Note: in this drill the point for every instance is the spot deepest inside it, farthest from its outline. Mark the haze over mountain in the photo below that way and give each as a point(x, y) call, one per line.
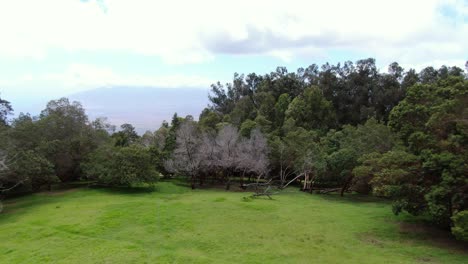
point(143, 107)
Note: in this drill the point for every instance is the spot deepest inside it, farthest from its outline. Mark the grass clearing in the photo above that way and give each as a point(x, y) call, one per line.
point(174, 224)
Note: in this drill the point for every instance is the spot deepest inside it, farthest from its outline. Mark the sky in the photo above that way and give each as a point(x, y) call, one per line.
point(54, 48)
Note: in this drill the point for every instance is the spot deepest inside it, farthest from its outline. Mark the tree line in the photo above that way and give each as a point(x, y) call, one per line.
point(346, 127)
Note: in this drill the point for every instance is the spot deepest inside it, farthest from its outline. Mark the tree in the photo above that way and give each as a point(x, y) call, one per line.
point(120, 166)
point(186, 158)
point(252, 154)
point(397, 175)
point(281, 107)
point(311, 110)
point(32, 170)
point(226, 151)
point(247, 127)
point(432, 122)
point(460, 225)
point(65, 135)
point(5, 110)
point(344, 149)
point(126, 136)
point(209, 119)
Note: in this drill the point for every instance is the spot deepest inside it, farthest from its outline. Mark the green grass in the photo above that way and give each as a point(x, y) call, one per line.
point(176, 225)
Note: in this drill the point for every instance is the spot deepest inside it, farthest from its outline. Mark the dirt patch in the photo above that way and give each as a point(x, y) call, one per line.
point(433, 235)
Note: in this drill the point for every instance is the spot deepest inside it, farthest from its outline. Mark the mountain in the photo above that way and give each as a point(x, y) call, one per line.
point(143, 107)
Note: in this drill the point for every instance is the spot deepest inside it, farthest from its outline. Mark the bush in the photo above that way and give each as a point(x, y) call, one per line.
point(460, 225)
point(121, 166)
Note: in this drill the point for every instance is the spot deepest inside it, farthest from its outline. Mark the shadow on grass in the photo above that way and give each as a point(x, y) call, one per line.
point(353, 198)
point(415, 230)
point(16, 203)
point(14, 208)
point(425, 232)
point(124, 189)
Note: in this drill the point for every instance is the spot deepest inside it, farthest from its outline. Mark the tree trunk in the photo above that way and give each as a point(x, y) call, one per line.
point(242, 178)
point(306, 179)
point(346, 185)
point(193, 182)
point(310, 183)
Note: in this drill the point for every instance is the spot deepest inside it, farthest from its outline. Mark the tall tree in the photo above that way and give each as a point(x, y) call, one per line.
point(5, 110)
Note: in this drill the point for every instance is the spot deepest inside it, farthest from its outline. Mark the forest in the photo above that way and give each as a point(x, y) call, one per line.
point(400, 135)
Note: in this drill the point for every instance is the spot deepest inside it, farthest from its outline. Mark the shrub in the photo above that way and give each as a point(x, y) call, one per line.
point(121, 166)
point(460, 225)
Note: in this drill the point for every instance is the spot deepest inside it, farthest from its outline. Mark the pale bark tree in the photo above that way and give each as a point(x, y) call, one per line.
point(252, 154)
point(226, 151)
point(186, 158)
point(208, 154)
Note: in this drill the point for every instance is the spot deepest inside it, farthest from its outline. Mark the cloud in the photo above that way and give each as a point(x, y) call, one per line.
point(80, 77)
point(182, 32)
point(91, 76)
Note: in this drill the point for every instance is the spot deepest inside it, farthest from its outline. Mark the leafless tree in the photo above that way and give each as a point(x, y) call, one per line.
point(223, 154)
point(252, 154)
point(226, 151)
point(186, 158)
point(208, 152)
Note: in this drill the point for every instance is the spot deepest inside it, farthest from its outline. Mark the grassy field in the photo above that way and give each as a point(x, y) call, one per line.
point(176, 225)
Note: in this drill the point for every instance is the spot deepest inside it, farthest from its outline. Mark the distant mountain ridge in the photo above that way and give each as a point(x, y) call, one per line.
point(143, 107)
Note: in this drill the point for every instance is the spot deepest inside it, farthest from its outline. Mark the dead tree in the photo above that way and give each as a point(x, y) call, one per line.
point(262, 188)
point(252, 154)
point(208, 154)
point(226, 151)
point(186, 158)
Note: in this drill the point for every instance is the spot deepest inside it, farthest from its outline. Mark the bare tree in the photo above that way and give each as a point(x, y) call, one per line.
point(226, 151)
point(208, 155)
point(253, 154)
point(186, 158)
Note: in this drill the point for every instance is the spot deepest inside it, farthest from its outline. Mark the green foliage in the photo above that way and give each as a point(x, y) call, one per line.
point(126, 136)
point(281, 107)
point(264, 124)
point(64, 136)
point(311, 110)
point(208, 119)
point(431, 120)
point(397, 175)
point(266, 105)
point(33, 170)
point(247, 127)
point(460, 225)
point(346, 147)
point(121, 166)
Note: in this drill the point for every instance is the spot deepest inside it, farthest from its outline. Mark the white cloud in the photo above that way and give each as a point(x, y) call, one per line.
point(195, 31)
point(90, 76)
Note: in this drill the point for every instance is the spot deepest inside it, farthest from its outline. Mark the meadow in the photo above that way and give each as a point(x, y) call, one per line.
point(173, 224)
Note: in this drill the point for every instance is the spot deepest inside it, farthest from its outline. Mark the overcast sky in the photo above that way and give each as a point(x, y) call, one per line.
point(51, 48)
